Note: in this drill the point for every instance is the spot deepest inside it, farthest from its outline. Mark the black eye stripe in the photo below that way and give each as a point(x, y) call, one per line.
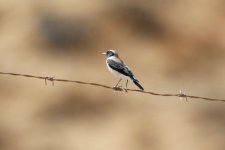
point(109, 53)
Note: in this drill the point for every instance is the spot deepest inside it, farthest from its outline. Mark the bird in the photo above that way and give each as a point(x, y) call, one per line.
point(117, 67)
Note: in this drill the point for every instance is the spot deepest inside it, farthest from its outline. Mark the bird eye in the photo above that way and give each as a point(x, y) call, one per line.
point(109, 53)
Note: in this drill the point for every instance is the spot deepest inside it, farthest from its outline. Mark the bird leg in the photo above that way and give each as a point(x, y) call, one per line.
point(126, 86)
point(116, 86)
point(118, 83)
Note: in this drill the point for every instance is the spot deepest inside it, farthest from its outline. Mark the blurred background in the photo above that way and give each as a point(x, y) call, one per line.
point(170, 45)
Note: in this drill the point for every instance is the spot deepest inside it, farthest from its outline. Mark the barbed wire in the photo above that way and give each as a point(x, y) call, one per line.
point(52, 79)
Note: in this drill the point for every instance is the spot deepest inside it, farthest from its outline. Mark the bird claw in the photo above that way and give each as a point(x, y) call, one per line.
point(117, 88)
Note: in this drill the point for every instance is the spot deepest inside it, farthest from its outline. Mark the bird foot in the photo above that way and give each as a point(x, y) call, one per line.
point(117, 88)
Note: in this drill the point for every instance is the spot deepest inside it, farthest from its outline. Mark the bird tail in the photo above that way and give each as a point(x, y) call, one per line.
point(136, 82)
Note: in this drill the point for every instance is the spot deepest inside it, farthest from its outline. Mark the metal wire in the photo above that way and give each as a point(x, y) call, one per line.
point(53, 79)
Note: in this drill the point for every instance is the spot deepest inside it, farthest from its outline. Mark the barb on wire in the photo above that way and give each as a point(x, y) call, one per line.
point(183, 95)
point(52, 79)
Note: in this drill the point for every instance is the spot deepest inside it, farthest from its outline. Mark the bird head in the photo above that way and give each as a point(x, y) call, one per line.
point(110, 53)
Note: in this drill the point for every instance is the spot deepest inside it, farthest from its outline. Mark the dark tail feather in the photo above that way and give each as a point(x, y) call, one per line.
point(137, 83)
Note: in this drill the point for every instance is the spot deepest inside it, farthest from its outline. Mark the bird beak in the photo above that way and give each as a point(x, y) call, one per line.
point(104, 53)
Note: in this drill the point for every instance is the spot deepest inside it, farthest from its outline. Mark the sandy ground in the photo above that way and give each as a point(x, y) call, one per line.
point(170, 45)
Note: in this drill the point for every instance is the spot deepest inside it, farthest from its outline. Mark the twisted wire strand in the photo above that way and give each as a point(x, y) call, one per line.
point(53, 79)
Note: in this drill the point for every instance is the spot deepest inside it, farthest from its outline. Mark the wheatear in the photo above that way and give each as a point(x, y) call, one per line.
point(120, 69)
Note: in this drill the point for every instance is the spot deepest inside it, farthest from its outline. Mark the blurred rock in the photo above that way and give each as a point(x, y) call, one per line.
point(140, 19)
point(62, 34)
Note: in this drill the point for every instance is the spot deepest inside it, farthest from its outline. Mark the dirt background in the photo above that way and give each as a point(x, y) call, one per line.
point(170, 45)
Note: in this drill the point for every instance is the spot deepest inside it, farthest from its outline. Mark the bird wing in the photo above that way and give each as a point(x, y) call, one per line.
point(121, 68)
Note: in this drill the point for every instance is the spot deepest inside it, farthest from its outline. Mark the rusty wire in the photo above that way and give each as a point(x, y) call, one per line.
point(52, 79)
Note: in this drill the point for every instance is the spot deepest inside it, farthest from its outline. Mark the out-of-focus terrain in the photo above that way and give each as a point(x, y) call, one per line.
point(170, 45)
